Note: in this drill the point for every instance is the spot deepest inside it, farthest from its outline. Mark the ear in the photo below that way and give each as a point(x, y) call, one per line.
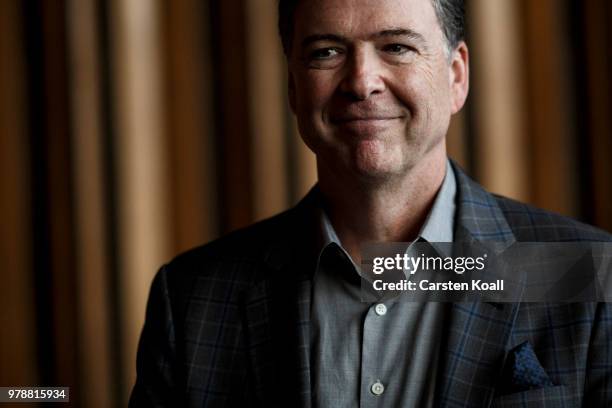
point(291, 90)
point(459, 76)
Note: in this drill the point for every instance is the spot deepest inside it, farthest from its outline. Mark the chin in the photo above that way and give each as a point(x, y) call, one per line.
point(373, 159)
point(377, 170)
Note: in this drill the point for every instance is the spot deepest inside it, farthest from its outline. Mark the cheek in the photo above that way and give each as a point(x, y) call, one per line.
point(311, 96)
point(422, 85)
point(408, 84)
point(312, 99)
point(314, 91)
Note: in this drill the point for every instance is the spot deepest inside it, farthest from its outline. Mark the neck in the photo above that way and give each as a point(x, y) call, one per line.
point(388, 211)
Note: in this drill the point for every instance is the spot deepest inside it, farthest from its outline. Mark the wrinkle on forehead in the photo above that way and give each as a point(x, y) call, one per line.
point(360, 19)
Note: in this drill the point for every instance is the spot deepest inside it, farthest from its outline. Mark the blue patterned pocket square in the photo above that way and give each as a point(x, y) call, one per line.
point(523, 371)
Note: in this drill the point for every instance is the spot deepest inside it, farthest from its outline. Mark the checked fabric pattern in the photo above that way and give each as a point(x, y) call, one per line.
point(228, 323)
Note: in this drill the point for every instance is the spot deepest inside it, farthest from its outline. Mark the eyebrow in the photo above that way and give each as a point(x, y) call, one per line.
point(392, 32)
point(323, 37)
point(405, 32)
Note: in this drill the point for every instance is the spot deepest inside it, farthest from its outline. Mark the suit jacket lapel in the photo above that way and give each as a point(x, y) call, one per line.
point(302, 329)
point(278, 314)
point(473, 354)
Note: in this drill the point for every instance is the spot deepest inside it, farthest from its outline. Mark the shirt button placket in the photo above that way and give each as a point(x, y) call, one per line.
point(372, 387)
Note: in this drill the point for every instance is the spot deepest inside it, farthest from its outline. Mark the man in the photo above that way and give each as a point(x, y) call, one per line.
point(270, 315)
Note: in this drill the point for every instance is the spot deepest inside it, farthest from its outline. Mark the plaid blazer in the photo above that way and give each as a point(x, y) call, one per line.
point(227, 324)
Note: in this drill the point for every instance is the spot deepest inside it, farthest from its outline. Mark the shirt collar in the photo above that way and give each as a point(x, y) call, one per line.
point(440, 222)
point(438, 226)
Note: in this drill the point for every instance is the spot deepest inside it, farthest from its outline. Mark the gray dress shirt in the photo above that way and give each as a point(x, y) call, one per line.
point(382, 354)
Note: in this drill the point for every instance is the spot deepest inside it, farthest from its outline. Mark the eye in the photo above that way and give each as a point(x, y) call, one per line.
point(324, 53)
point(397, 49)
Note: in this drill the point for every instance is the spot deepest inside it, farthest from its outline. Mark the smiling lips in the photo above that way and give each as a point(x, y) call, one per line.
point(364, 116)
point(365, 124)
point(363, 119)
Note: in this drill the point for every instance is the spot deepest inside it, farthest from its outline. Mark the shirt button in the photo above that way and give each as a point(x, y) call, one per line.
point(377, 388)
point(380, 309)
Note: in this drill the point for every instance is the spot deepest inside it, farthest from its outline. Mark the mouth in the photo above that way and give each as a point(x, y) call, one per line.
point(365, 125)
point(364, 119)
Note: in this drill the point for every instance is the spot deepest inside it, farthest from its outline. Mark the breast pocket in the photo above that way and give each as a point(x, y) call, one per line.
point(557, 396)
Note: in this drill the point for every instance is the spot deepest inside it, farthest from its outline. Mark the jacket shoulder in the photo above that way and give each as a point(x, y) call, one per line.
point(529, 223)
point(233, 254)
point(220, 272)
point(245, 243)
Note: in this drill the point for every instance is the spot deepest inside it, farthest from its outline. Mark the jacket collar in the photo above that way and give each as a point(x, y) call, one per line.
point(479, 217)
point(278, 310)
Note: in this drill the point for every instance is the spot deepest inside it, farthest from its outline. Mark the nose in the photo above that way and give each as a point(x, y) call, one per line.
point(363, 76)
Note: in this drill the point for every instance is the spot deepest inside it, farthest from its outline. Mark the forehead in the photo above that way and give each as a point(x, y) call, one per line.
point(356, 18)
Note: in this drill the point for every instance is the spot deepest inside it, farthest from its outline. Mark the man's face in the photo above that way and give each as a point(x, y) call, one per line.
point(373, 84)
